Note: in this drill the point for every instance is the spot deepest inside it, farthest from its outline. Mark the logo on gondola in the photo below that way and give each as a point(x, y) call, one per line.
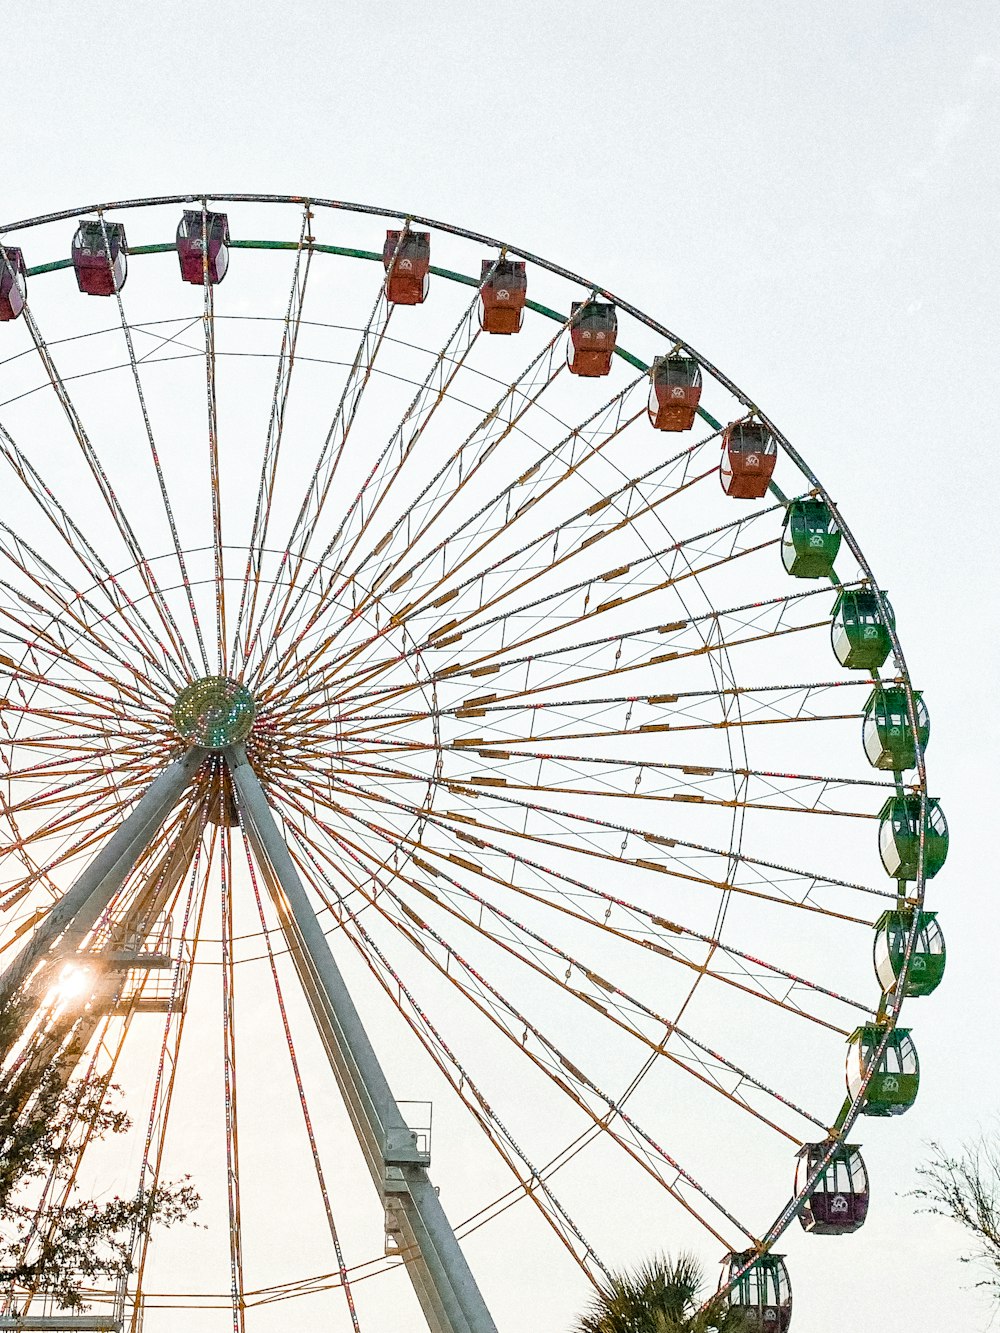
point(753, 460)
point(770, 1316)
point(677, 392)
point(406, 263)
point(890, 1083)
point(918, 964)
point(586, 334)
point(871, 632)
point(838, 1204)
point(503, 294)
point(816, 539)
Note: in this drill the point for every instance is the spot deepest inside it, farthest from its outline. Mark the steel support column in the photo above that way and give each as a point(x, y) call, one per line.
point(442, 1279)
point(80, 907)
point(63, 1323)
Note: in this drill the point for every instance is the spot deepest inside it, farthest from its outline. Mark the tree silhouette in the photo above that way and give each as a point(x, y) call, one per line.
point(51, 1239)
point(966, 1189)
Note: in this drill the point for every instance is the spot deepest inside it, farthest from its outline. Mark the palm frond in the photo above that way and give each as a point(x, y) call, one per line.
point(663, 1295)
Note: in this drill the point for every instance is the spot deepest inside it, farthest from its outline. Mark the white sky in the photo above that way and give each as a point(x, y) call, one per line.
point(807, 193)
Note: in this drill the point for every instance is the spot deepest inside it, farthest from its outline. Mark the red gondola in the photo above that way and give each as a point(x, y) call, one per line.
point(100, 268)
point(13, 282)
point(407, 260)
point(838, 1201)
point(199, 234)
point(592, 337)
point(749, 452)
point(674, 392)
point(503, 296)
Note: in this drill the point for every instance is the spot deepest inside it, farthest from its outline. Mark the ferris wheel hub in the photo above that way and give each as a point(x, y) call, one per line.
point(214, 712)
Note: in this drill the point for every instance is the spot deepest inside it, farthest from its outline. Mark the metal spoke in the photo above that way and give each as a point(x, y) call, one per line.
point(480, 443)
point(213, 448)
point(549, 607)
point(303, 1103)
point(418, 416)
point(246, 615)
point(99, 575)
point(556, 1065)
point(161, 483)
point(229, 1077)
point(667, 932)
point(105, 489)
point(627, 999)
point(310, 510)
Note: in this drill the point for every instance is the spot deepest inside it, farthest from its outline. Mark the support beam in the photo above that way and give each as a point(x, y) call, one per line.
point(442, 1279)
point(161, 882)
point(78, 910)
point(64, 1323)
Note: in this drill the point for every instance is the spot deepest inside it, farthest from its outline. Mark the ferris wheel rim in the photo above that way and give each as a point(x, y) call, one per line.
point(895, 1004)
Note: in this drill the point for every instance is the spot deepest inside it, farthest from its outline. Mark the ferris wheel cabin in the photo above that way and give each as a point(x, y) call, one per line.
point(749, 453)
point(899, 836)
point(674, 392)
point(837, 1204)
point(927, 961)
point(502, 295)
point(763, 1292)
point(859, 635)
point(13, 283)
point(406, 257)
point(895, 1077)
point(199, 235)
point(810, 539)
point(886, 732)
point(101, 266)
point(592, 338)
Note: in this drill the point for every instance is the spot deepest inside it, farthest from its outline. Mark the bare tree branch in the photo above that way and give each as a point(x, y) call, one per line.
point(966, 1189)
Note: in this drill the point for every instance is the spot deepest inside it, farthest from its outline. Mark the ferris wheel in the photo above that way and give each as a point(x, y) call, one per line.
point(429, 681)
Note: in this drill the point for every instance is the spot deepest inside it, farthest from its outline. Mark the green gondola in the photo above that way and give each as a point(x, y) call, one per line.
point(763, 1292)
point(886, 732)
point(810, 539)
point(896, 1077)
point(859, 635)
point(927, 962)
point(899, 837)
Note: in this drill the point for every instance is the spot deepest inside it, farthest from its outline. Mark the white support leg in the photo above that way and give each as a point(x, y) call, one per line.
point(80, 907)
point(442, 1279)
